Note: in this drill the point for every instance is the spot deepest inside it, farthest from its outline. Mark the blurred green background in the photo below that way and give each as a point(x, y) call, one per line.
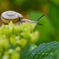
point(33, 9)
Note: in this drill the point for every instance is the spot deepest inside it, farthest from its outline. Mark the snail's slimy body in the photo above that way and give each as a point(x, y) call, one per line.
point(13, 16)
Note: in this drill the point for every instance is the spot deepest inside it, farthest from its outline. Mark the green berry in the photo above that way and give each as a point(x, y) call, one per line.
point(13, 41)
point(18, 42)
point(23, 42)
point(10, 51)
point(15, 56)
point(6, 44)
point(10, 30)
point(17, 37)
point(26, 34)
point(5, 57)
point(1, 42)
point(6, 53)
point(34, 37)
point(18, 49)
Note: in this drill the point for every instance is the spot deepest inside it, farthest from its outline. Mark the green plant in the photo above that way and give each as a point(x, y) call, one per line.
point(13, 38)
point(45, 51)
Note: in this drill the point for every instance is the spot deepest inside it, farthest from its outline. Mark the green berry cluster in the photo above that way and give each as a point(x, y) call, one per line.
point(19, 36)
point(5, 52)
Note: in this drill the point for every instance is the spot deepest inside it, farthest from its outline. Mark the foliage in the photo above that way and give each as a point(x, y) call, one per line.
point(45, 51)
point(25, 50)
point(54, 15)
point(31, 9)
point(13, 38)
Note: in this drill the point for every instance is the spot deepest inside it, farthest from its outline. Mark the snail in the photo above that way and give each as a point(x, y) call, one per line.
point(8, 16)
point(13, 16)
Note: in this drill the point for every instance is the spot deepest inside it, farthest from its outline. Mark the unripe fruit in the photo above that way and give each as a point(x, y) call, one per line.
point(12, 41)
point(10, 51)
point(5, 57)
point(6, 44)
point(34, 37)
point(23, 42)
point(15, 56)
point(19, 36)
point(1, 42)
point(18, 49)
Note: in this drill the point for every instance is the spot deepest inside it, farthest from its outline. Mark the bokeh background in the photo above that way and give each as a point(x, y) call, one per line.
point(33, 9)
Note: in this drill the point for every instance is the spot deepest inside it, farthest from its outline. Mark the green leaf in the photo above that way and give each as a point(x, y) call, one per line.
point(55, 2)
point(45, 51)
point(26, 50)
point(11, 46)
point(54, 15)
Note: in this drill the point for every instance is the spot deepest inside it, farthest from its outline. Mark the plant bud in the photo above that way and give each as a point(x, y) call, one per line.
point(5, 57)
point(15, 56)
point(13, 41)
point(18, 49)
point(10, 51)
point(34, 37)
point(6, 44)
point(23, 42)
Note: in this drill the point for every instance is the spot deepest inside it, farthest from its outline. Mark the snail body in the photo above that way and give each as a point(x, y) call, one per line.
point(13, 16)
point(8, 16)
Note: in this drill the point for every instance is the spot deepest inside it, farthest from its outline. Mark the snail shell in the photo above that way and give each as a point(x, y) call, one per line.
point(8, 16)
